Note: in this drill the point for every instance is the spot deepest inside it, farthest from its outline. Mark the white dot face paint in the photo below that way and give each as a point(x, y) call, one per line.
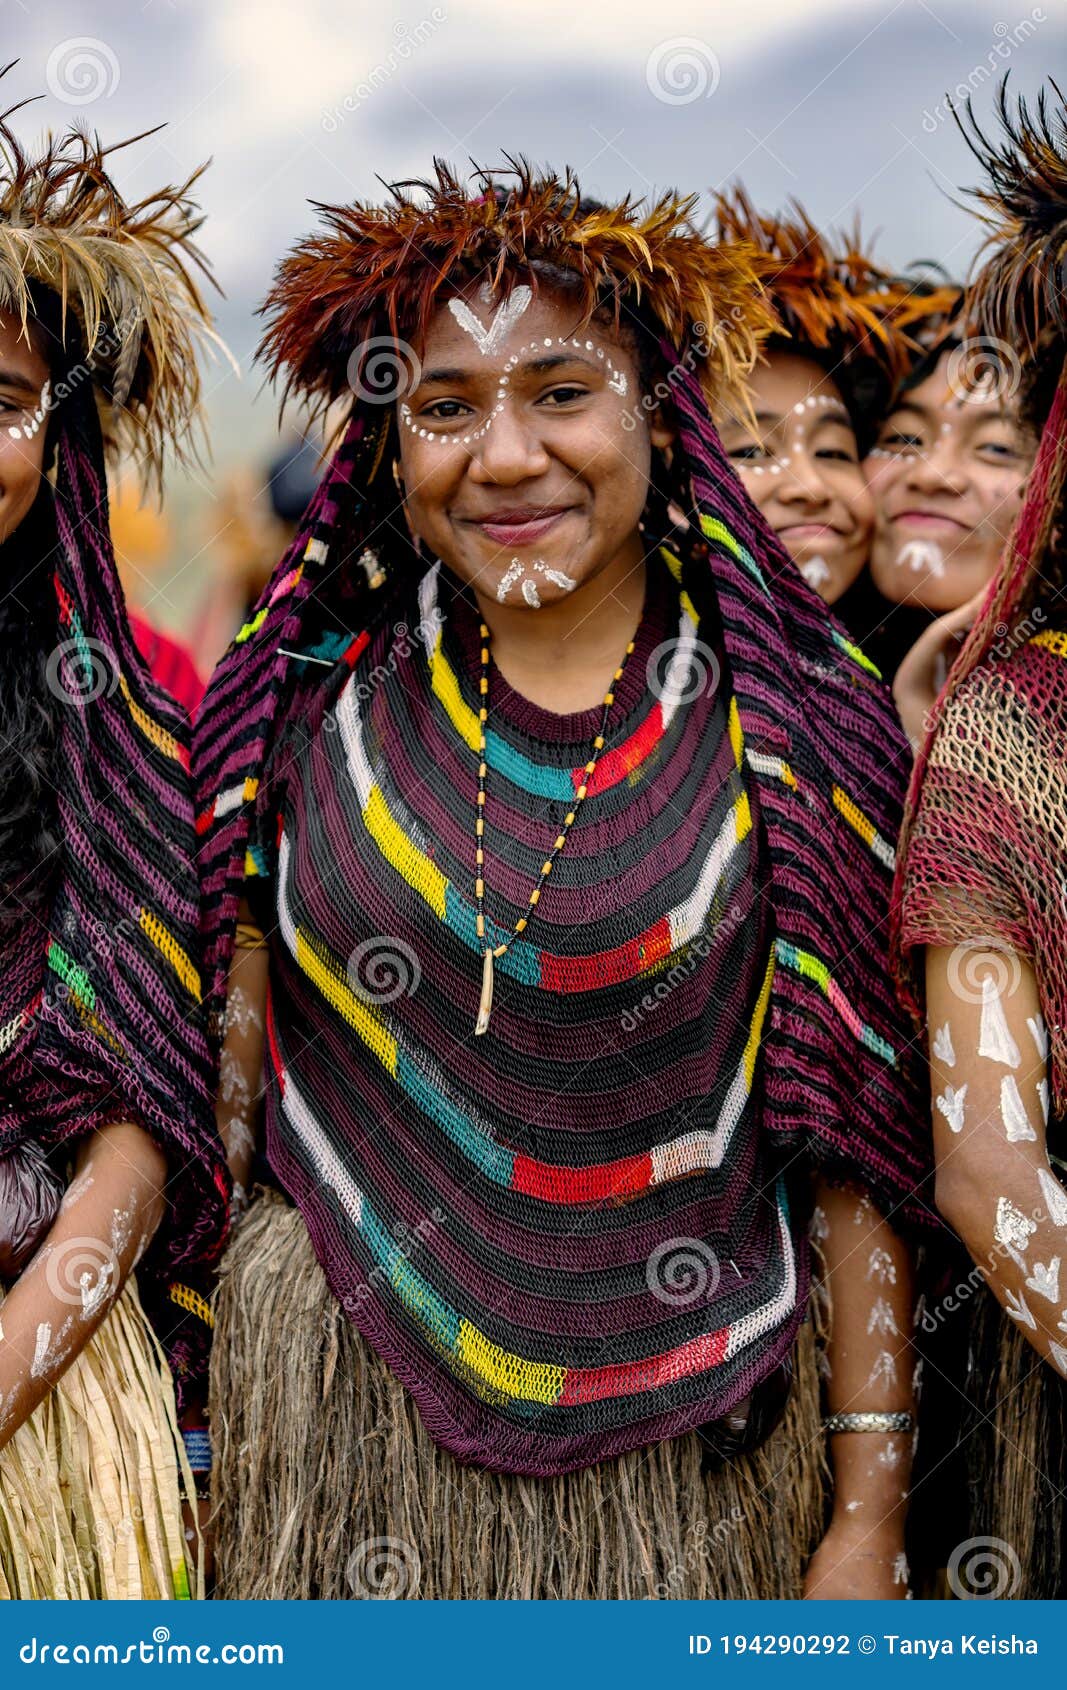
point(1012, 1228)
point(1045, 1280)
point(1013, 1112)
point(943, 1047)
point(617, 381)
point(30, 429)
point(995, 1039)
point(951, 1104)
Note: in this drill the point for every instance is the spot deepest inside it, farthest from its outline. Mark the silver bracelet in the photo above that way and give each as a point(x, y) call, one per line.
point(871, 1422)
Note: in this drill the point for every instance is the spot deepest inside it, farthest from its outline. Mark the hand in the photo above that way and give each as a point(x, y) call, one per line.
point(857, 1562)
point(925, 669)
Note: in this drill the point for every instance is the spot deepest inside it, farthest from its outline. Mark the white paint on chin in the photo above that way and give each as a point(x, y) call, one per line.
point(530, 594)
point(922, 557)
point(815, 571)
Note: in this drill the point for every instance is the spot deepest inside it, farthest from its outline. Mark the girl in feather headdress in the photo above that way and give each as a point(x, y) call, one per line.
point(109, 1159)
point(979, 911)
point(817, 395)
point(545, 823)
point(946, 475)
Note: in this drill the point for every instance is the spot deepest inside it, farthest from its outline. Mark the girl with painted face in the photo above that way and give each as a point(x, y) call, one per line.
point(815, 396)
point(551, 810)
point(981, 887)
point(946, 476)
point(109, 1161)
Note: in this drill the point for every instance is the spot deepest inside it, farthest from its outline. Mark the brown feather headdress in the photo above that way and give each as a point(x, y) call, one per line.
point(1018, 294)
point(378, 271)
point(125, 275)
point(832, 297)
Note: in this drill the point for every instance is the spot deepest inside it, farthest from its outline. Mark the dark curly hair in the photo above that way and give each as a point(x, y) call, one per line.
point(29, 721)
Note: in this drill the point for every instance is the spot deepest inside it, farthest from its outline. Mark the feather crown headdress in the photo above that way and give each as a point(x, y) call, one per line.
point(125, 275)
point(1019, 293)
point(831, 295)
point(380, 271)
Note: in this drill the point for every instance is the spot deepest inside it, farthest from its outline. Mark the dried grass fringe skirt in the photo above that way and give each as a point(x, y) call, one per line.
point(327, 1485)
point(89, 1500)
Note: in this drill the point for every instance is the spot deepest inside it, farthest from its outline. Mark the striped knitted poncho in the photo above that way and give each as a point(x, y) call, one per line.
point(574, 1220)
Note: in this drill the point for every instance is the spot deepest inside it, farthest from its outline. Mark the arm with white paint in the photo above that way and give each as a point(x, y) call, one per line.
point(867, 1279)
point(240, 1090)
point(108, 1216)
point(995, 1184)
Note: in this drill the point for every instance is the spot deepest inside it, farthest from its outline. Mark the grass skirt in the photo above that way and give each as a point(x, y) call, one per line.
point(327, 1485)
point(89, 1501)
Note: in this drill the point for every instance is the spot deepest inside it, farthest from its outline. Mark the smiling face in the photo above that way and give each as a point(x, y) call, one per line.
point(23, 422)
point(524, 450)
point(801, 468)
point(947, 475)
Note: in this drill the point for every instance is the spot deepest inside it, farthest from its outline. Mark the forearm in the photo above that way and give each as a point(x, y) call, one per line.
point(869, 1282)
point(107, 1218)
point(240, 1091)
point(995, 1184)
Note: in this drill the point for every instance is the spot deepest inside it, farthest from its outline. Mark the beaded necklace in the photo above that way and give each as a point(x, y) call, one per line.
point(485, 1004)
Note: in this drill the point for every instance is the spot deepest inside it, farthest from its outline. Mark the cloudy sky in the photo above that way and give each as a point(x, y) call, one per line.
point(839, 102)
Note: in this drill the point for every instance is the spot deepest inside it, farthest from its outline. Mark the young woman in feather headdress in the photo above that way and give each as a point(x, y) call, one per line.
point(946, 476)
point(109, 1160)
point(979, 910)
point(817, 396)
point(545, 840)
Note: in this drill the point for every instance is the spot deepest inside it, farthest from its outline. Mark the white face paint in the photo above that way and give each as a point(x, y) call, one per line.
point(1045, 1280)
point(617, 381)
point(30, 429)
point(943, 1047)
point(1013, 1113)
point(518, 575)
point(1012, 1228)
point(1042, 1093)
point(994, 1037)
point(1054, 1195)
point(1058, 1356)
point(922, 557)
point(1039, 1034)
point(815, 571)
point(951, 1104)
point(503, 320)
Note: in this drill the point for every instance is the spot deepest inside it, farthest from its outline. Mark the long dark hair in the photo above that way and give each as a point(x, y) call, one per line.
point(29, 709)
